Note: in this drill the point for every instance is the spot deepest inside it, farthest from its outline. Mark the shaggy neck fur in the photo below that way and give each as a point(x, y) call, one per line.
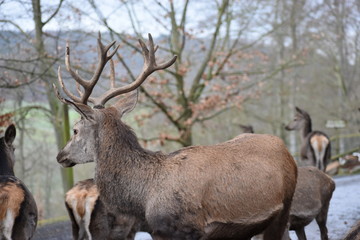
point(307, 128)
point(6, 166)
point(123, 164)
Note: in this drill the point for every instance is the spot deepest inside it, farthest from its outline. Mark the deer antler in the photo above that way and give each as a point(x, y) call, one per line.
point(88, 85)
point(149, 67)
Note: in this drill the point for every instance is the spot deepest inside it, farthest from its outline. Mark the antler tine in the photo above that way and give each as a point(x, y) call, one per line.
point(112, 74)
point(75, 75)
point(104, 57)
point(90, 99)
point(149, 67)
point(88, 85)
point(63, 100)
point(67, 92)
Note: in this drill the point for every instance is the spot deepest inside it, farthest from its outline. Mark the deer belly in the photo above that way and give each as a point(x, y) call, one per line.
point(243, 227)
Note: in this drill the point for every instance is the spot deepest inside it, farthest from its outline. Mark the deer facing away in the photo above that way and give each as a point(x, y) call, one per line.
point(231, 190)
point(311, 200)
point(18, 210)
point(316, 146)
point(91, 220)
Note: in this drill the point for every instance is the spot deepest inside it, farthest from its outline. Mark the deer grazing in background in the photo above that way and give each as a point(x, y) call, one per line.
point(91, 220)
point(311, 200)
point(18, 210)
point(247, 128)
point(231, 190)
point(316, 147)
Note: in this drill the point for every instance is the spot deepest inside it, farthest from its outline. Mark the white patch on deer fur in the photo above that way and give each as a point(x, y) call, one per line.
point(8, 224)
point(79, 219)
point(319, 144)
point(76, 214)
point(89, 207)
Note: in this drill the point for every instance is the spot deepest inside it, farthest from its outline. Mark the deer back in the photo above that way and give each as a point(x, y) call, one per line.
point(313, 192)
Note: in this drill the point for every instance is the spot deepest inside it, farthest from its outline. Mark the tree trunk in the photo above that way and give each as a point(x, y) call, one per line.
point(59, 111)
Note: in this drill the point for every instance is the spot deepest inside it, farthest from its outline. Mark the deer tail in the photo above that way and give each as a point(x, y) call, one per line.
point(319, 144)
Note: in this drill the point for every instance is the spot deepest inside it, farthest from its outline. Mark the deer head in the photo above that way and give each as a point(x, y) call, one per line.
point(82, 146)
point(300, 120)
point(7, 157)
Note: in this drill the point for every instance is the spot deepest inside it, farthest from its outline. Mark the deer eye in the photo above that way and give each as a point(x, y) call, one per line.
point(75, 131)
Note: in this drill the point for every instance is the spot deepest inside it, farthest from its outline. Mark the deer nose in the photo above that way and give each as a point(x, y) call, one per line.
point(63, 159)
point(60, 157)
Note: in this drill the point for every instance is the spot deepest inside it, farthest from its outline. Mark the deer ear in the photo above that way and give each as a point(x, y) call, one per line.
point(84, 110)
point(127, 104)
point(298, 109)
point(10, 134)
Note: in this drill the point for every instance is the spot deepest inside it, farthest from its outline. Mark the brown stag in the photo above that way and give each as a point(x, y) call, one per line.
point(91, 220)
point(316, 147)
point(231, 190)
point(18, 210)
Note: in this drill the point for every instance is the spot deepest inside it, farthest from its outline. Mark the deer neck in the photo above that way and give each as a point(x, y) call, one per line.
point(306, 129)
point(6, 167)
point(125, 163)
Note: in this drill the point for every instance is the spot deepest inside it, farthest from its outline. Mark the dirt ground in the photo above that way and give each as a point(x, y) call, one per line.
point(344, 212)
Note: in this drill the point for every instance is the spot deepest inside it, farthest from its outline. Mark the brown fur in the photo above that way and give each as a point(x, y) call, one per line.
point(81, 193)
point(102, 225)
point(14, 195)
point(231, 190)
point(11, 197)
point(320, 139)
point(311, 201)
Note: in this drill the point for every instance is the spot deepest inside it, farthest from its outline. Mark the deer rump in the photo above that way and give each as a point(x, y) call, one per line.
point(91, 220)
point(230, 190)
point(317, 148)
point(17, 204)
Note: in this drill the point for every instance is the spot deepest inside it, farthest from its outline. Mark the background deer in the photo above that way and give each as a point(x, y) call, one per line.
point(231, 190)
point(246, 128)
point(91, 220)
point(316, 147)
point(311, 201)
point(18, 210)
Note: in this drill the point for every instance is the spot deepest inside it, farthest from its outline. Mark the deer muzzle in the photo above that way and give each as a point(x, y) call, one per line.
point(64, 160)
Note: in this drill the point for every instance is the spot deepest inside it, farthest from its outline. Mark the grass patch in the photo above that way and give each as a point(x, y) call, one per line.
point(52, 220)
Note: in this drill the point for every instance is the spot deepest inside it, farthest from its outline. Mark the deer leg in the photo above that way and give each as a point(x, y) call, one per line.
point(279, 225)
point(300, 233)
point(321, 219)
point(8, 224)
point(167, 228)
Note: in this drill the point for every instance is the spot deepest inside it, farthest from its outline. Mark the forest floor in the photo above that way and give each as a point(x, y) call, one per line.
point(344, 212)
